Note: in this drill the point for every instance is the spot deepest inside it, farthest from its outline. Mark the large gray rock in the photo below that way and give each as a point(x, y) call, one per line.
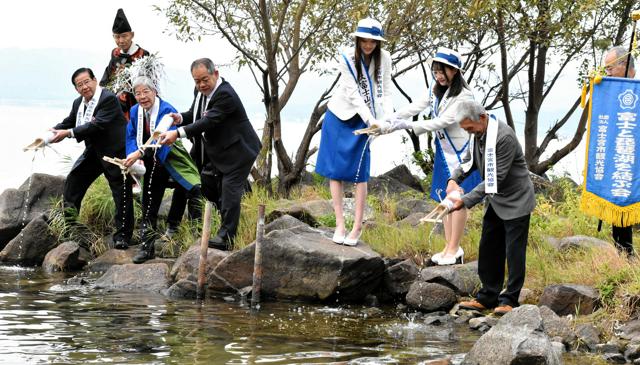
point(402, 174)
point(407, 207)
point(383, 186)
point(68, 256)
point(283, 222)
point(132, 277)
point(518, 338)
point(398, 277)
point(187, 265)
point(31, 245)
point(588, 336)
point(631, 330)
point(13, 211)
point(431, 297)
point(302, 264)
point(570, 299)
point(632, 351)
point(307, 212)
point(463, 279)
point(182, 289)
point(557, 327)
point(579, 242)
point(112, 257)
point(412, 220)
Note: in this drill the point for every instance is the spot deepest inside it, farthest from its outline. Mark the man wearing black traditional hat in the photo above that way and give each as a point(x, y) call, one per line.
point(121, 57)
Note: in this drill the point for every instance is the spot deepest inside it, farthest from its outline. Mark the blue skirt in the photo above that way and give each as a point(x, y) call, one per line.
point(441, 175)
point(343, 156)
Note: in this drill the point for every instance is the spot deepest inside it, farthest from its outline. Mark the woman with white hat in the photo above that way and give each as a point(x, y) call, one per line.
point(362, 98)
point(452, 142)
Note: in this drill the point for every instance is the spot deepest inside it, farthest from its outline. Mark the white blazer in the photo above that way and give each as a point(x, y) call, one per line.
point(346, 100)
point(445, 119)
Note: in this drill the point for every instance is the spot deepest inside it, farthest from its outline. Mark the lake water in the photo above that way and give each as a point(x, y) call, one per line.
point(44, 321)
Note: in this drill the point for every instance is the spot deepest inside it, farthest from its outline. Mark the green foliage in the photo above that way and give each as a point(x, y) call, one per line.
point(328, 220)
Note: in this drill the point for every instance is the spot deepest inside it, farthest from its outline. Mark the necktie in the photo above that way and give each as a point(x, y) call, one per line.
point(203, 106)
point(147, 130)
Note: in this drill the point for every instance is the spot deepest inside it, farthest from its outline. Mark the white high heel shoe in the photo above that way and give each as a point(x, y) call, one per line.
point(338, 238)
point(436, 257)
point(352, 241)
point(444, 260)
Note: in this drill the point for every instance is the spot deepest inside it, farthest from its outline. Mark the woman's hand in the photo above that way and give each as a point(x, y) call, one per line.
point(132, 158)
point(453, 186)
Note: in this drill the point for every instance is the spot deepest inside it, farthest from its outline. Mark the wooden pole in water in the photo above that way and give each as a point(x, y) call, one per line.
point(257, 261)
point(204, 246)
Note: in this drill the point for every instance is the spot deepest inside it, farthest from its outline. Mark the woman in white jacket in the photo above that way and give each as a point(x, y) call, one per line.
point(452, 142)
point(362, 98)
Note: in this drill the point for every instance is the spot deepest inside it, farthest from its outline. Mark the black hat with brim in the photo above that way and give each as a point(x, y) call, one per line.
point(120, 23)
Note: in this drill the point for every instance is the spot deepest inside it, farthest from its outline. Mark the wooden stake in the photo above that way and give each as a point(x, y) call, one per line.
point(257, 261)
point(204, 246)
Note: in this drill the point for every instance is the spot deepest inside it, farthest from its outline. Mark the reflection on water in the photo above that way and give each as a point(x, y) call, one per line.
point(45, 321)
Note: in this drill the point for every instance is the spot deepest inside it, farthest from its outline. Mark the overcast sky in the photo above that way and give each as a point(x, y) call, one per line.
point(44, 41)
point(86, 25)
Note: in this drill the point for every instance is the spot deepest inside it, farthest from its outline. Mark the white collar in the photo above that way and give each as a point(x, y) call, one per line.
point(96, 95)
point(133, 49)
point(218, 83)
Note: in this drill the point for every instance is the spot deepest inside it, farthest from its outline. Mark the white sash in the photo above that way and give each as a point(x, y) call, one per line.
point(490, 168)
point(200, 98)
point(153, 115)
point(83, 116)
point(452, 157)
point(365, 85)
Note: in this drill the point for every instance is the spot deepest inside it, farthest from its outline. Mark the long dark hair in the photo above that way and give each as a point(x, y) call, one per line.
point(375, 57)
point(455, 85)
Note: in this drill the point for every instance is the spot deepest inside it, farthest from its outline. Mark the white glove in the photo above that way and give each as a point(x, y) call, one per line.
point(397, 123)
point(449, 200)
point(137, 169)
point(377, 126)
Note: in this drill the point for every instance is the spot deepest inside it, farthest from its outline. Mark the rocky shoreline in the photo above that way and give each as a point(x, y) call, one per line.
point(301, 263)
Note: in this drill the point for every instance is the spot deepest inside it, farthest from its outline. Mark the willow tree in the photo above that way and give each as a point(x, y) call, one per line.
point(277, 41)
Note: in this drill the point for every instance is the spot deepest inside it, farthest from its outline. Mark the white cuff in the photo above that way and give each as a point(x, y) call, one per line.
point(71, 135)
point(182, 133)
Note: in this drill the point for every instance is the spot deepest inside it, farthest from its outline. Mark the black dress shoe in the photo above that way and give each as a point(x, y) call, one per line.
point(121, 245)
point(147, 252)
point(219, 243)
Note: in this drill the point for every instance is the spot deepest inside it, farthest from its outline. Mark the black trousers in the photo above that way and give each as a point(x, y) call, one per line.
point(181, 199)
point(225, 190)
point(85, 171)
point(156, 180)
point(623, 236)
point(502, 240)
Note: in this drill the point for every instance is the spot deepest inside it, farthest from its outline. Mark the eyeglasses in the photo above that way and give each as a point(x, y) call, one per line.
point(81, 84)
point(143, 92)
point(614, 65)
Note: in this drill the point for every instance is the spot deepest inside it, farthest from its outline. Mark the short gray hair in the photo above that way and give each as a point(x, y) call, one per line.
point(622, 54)
point(469, 109)
point(144, 81)
point(206, 62)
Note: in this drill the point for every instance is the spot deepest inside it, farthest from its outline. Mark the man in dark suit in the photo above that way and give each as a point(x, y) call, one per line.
point(97, 119)
point(509, 199)
point(230, 144)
